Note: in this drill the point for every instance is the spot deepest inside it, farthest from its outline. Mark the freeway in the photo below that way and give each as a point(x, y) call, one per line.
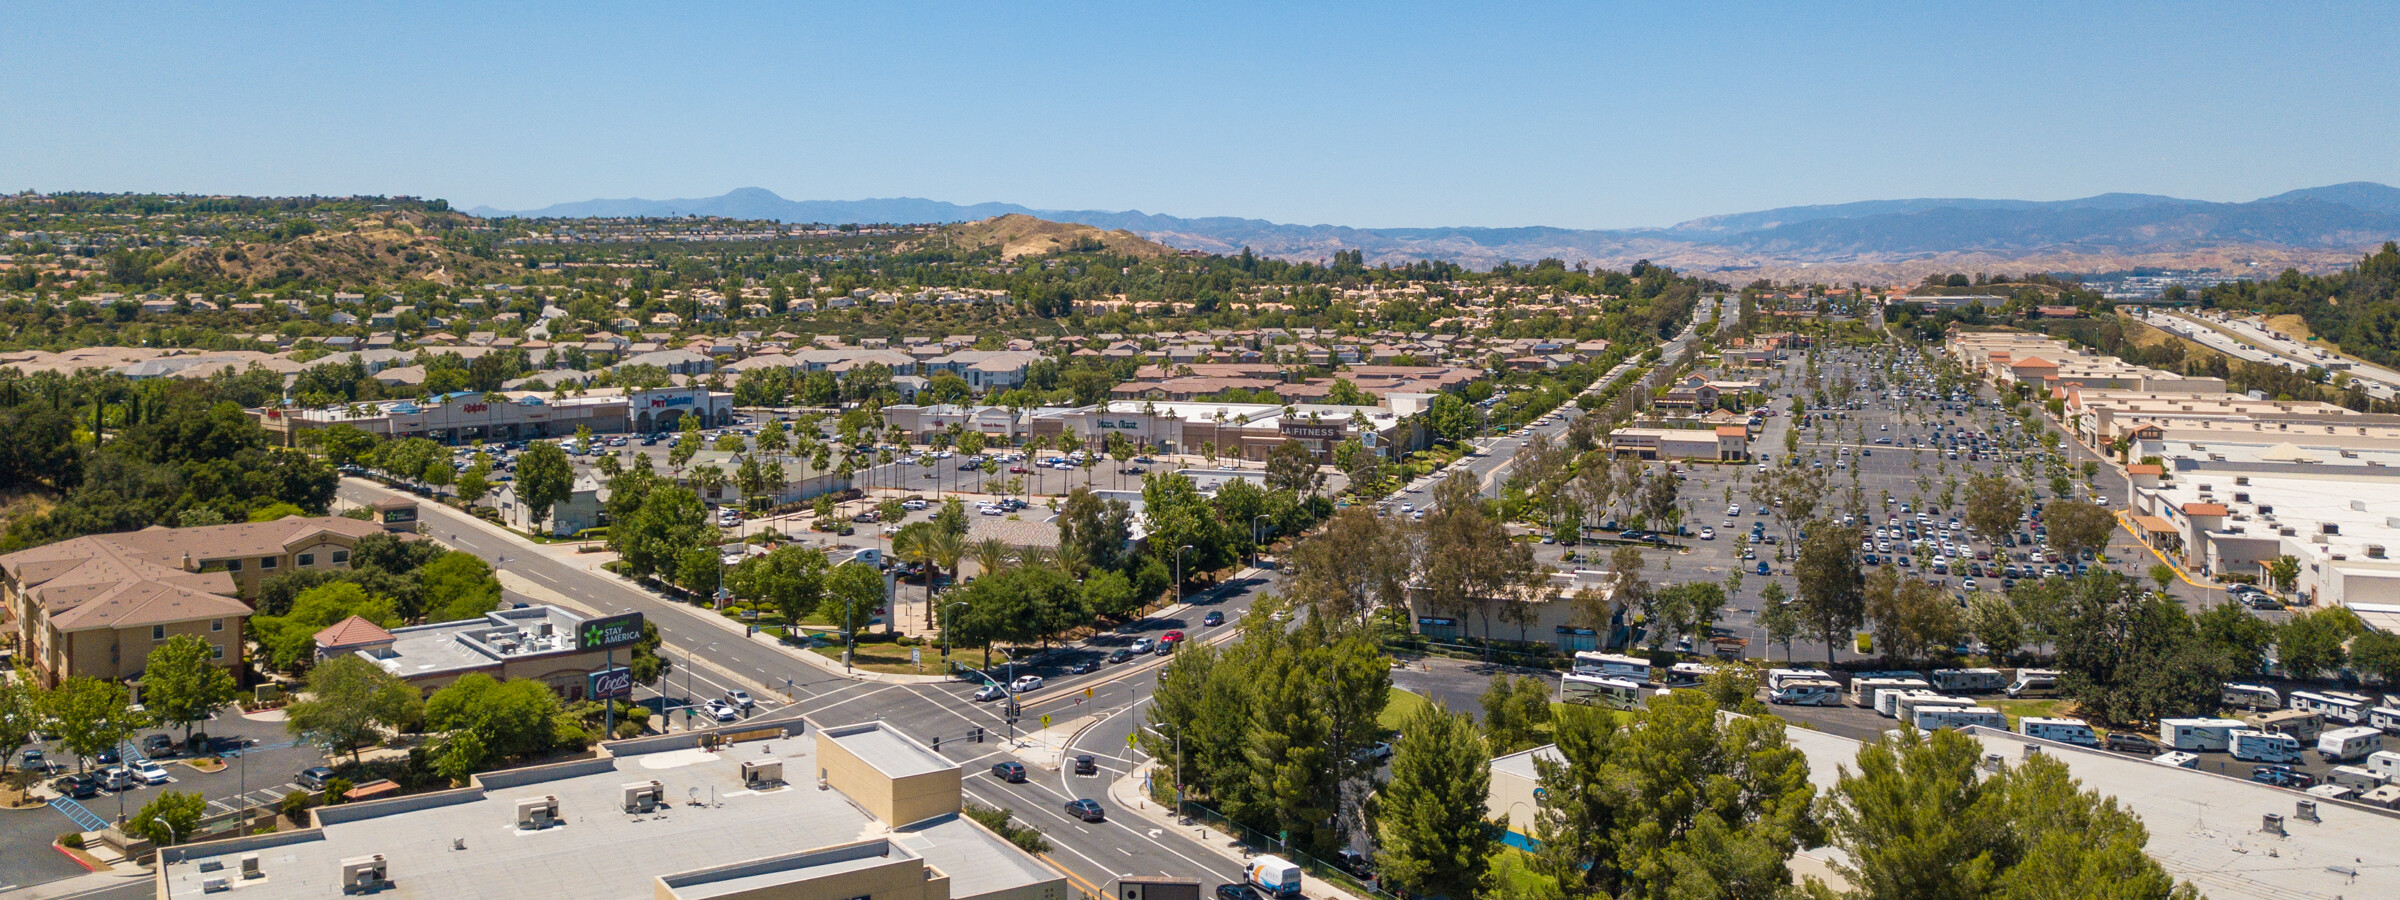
point(2247, 339)
point(940, 713)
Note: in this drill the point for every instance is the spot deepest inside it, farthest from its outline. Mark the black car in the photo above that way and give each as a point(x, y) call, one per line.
point(78, 786)
point(1213, 618)
point(1120, 655)
point(1011, 772)
point(2124, 742)
point(1087, 810)
point(1236, 892)
point(1082, 666)
point(158, 745)
point(108, 757)
point(1086, 765)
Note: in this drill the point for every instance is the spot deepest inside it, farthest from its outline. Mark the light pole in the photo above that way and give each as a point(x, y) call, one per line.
point(687, 684)
point(1254, 537)
point(1179, 573)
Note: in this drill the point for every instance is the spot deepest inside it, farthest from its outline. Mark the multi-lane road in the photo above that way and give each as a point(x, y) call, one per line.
point(722, 656)
point(2249, 339)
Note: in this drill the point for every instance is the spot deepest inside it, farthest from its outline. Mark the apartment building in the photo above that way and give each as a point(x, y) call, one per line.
point(97, 605)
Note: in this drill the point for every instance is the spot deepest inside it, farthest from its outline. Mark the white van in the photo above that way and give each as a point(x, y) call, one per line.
point(2034, 683)
point(2065, 731)
point(2252, 696)
point(2197, 734)
point(2343, 745)
point(1969, 681)
point(1273, 875)
point(1806, 693)
point(2259, 746)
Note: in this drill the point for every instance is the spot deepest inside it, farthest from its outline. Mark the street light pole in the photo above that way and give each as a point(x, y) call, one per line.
point(1179, 573)
point(1254, 537)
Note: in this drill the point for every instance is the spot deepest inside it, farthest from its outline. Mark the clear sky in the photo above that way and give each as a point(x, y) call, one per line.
point(1593, 114)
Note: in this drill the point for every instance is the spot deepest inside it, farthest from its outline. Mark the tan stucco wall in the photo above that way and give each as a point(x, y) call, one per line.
point(898, 879)
point(857, 780)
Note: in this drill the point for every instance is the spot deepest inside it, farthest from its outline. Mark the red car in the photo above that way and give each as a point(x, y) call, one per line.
point(1016, 470)
point(1171, 637)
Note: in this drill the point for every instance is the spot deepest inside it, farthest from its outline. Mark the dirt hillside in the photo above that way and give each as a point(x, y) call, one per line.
point(1020, 236)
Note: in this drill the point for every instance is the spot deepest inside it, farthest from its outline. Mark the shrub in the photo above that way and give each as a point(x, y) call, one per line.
point(72, 840)
point(294, 806)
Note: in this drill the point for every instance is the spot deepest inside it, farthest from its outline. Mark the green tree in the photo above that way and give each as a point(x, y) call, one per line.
point(1434, 841)
point(1291, 467)
point(1996, 623)
point(2314, 643)
point(1516, 713)
point(170, 819)
point(791, 577)
point(2240, 638)
point(1832, 592)
point(458, 585)
point(90, 715)
point(349, 703)
point(670, 522)
point(1778, 617)
point(21, 708)
point(2285, 572)
point(544, 477)
point(2077, 527)
point(853, 595)
point(2375, 654)
point(1911, 619)
point(289, 640)
point(1918, 823)
point(2124, 654)
point(508, 719)
point(183, 685)
point(1993, 504)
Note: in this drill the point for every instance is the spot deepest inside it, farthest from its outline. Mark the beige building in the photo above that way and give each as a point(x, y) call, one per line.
point(1724, 443)
point(769, 810)
point(97, 605)
point(536, 643)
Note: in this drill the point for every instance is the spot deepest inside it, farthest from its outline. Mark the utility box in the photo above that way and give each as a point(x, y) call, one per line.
point(365, 874)
point(644, 796)
point(1157, 889)
point(250, 866)
point(536, 813)
point(758, 773)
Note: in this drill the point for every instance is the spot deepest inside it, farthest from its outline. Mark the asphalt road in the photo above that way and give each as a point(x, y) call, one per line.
point(945, 712)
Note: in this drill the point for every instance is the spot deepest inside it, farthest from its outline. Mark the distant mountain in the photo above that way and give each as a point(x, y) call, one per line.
point(2312, 228)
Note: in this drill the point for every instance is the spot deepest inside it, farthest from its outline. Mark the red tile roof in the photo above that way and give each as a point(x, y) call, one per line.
point(355, 631)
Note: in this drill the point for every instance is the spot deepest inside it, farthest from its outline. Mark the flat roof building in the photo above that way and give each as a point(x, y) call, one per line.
point(770, 812)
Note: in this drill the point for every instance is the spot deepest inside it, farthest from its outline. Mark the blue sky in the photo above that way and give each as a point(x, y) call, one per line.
point(1573, 114)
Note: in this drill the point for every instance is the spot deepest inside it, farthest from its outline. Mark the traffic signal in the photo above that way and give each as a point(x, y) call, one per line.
point(978, 734)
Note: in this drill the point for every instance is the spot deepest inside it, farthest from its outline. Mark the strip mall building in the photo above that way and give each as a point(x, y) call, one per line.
point(466, 416)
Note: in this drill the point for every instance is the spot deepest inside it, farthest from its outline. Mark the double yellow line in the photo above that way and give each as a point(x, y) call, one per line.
point(1088, 887)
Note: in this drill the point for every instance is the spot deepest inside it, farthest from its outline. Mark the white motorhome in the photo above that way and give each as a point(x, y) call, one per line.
point(2197, 734)
point(1864, 691)
point(1595, 690)
point(2177, 758)
point(2386, 797)
point(1884, 700)
point(2348, 709)
point(1969, 681)
point(1905, 709)
point(2299, 723)
point(1687, 674)
point(2385, 764)
point(1806, 693)
point(2343, 745)
point(1777, 677)
point(1936, 718)
point(1612, 665)
point(2034, 683)
point(2386, 718)
point(2259, 746)
point(2252, 696)
point(2356, 777)
point(2065, 731)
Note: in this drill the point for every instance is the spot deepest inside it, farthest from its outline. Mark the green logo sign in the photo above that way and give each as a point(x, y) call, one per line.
point(612, 631)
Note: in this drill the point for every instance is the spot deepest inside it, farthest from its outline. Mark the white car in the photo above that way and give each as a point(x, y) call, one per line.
point(1025, 683)
point(1708, 534)
point(150, 773)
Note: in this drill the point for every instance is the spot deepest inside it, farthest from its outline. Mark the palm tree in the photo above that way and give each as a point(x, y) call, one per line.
point(991, 555)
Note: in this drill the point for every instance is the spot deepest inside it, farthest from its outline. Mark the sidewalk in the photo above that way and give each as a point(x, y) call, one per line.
point(1127, 794)
point(109, 879)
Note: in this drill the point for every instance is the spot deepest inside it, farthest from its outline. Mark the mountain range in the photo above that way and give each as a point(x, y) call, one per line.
point(1876, 240)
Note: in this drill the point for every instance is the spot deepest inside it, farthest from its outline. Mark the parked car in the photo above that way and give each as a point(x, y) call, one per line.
point(158, 745)
point(35, 761)
point(1011, 772)
point(2127, 742)
point(107, 757)
point(151, 773)
point(78, 786)
point(118, 778)
point(313, 778)
point(1087, 810)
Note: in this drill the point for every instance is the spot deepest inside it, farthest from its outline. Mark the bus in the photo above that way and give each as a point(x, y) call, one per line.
point(1612, 665)
point(1596, 690)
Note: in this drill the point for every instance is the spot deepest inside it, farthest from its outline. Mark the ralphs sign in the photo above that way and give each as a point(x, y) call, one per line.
point(609, 632)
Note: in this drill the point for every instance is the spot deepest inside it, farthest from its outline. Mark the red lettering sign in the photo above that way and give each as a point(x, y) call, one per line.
point(477, 407)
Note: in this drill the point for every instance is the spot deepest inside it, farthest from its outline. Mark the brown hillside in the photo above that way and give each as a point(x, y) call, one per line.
point(1020, 236)
point(376, 250)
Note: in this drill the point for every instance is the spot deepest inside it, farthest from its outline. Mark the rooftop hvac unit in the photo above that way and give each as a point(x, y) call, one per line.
point(2272, 824)
point(1993, 762)
point(537, 812)
point(250, 865)
point(2307, 811)
point(644, 796)
point(361, 874)
point(215, 885)
point(762, 772)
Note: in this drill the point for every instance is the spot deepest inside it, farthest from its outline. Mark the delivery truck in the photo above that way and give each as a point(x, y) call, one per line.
point(1273, 875)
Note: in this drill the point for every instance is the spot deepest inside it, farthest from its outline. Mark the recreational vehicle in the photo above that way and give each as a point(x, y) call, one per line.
point(1905, 709)
point(2034, 683)
point(1936, 718)
point(1595, 690)
point(2299, 723)
point(2259, 746)
point(2197, 734)
point(2356, 777)
point(1863, 691)
point(2252, 696)
point(2385, 764)
point(1612, 665)
point(2386, 718)
point(2065, 731)
point(1969, 681)
point(1806, 693)
point(1777, 677)
point(2351, 744)
point(2348, 709)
